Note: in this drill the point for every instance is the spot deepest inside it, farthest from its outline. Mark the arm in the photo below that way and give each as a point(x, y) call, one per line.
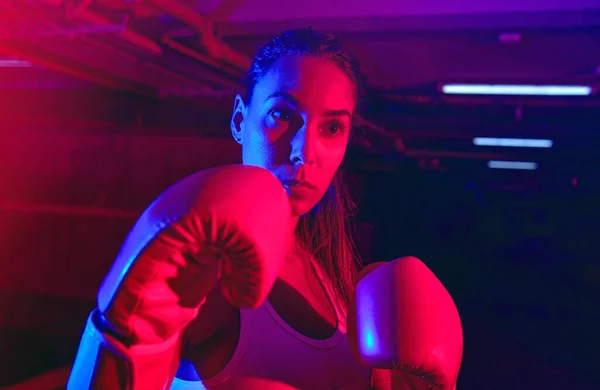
point(384, 379)
point(199, 232)
point(103, 361)
point(381, 379)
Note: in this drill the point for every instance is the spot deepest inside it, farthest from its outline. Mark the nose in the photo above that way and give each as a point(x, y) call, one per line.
point(303, 147)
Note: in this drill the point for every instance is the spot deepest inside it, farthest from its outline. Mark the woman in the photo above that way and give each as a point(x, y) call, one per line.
point(241, 277)
point(295, 119)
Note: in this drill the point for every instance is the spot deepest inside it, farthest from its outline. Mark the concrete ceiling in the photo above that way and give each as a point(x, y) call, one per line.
point(196, 51)
point(400, 44)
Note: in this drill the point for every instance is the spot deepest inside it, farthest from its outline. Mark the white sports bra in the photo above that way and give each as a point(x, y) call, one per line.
point(271, 355)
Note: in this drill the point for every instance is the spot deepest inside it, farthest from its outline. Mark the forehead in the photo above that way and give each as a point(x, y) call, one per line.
point(315, 82)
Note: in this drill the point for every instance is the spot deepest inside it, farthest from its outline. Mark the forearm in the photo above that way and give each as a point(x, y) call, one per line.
point(103, 362)
point(382, 379)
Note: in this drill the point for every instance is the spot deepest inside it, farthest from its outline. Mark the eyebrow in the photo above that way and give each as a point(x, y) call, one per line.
point(293, 100)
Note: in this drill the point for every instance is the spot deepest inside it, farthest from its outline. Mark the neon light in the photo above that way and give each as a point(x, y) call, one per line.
point(513, 142)
point(535, 90)
point(15, 64)
point(520, 165)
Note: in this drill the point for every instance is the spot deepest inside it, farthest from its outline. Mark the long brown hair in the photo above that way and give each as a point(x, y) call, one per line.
point(325, 230)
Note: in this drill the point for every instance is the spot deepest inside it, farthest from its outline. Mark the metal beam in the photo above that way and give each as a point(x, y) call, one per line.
point(207, 60)
point(492, 100)
point(52, 61)
point(130, 36)
point(216, 48)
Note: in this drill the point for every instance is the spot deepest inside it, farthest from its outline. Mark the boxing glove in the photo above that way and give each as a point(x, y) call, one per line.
point(402, 319)
point(229, 224)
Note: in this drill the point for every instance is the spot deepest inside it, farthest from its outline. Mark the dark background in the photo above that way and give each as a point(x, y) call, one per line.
point(98, 121)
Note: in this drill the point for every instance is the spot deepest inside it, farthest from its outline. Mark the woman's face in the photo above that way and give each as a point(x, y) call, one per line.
point(297, 126)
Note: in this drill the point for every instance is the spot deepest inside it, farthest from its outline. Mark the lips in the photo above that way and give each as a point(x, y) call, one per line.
point(297, 185)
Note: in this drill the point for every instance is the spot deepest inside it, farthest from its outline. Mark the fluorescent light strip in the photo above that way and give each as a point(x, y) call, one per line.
point(520, 165)
point(15, 64)
point(513, 142)
point(533, 90)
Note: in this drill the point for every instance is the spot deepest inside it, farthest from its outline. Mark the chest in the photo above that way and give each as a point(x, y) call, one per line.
point(301, 299)
point(273, 360)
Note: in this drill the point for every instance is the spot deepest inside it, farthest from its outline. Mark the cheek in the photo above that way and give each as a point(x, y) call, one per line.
point(331, 158)
point(260, 147)
point(255, 149)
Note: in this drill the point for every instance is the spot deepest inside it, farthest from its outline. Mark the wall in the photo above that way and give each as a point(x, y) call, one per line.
point(76, 168)
point(270, 10)
point(267, 17)
point(68, 199)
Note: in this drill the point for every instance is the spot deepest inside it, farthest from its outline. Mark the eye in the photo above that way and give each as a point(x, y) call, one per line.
point(333, 128)
point(282, 115)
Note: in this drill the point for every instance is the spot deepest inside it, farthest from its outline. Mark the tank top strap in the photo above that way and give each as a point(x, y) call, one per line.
point(334, 298)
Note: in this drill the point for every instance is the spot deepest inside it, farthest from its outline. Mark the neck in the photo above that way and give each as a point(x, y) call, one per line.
point(294, 223)
point(293, 255)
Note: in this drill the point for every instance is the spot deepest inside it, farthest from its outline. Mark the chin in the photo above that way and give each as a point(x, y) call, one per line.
point(300, 207)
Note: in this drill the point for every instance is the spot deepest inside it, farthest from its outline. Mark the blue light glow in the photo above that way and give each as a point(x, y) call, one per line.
point(520, 165)
point(532, 90)
point(513, 142)
point(369, 343)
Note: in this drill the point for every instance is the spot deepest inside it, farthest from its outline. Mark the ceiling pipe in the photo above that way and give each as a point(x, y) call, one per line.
point(376, 128)
point(199, 93)
point(83, 13)
point(100, 24)
point(216, 48)
point(188, 82)
point(139, 40)
point(592, 101)
point(77, 6)
point(194, 54)
point(60, 31)
point(185, 80)
point(52, 61)
point(62, 64)
point(80, 10)
point(30, 15)
point(414, 153)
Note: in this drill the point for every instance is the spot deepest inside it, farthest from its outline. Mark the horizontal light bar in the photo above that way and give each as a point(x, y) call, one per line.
point(513, 142)
point(520, 165)
point(10, 63)
point(532, 90)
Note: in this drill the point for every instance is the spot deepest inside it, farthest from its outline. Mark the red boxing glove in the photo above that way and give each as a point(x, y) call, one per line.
point(402, 318)
point(238, 214)
point(229, 224)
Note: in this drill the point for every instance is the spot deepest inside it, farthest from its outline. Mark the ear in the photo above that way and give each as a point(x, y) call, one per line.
point(237, 119)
